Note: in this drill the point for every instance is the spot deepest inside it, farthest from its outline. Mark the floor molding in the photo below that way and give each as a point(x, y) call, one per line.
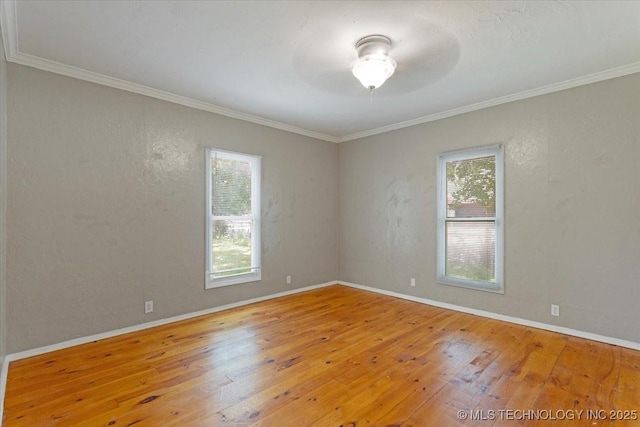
point(3, 384)
point(519, 321)
point(83, 340)
point(525, 322)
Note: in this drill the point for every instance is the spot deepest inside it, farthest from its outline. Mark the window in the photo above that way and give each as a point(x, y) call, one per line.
point(470, 219)
point(233, 218)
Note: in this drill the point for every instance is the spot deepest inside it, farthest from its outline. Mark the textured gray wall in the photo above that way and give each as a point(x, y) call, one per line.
point(3, 195)
point(106, 208)
point(572, 207)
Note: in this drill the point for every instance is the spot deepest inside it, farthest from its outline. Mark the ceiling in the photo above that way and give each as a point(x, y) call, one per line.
point(286, 64)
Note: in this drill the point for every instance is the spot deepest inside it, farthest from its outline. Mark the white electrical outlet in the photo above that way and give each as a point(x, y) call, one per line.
point(413, 282)
point(555, 310)
point(288, 280)
point(148, 307)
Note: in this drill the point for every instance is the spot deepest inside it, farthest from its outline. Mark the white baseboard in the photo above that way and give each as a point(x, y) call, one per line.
point(3, 384)
point(524, 322)
point(83, 340)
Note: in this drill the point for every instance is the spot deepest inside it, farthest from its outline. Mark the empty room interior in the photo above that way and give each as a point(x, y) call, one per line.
point(320, 213)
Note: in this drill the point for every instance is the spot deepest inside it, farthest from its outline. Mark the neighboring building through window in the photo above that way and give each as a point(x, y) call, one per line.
point(233, 218)
point(470, 219)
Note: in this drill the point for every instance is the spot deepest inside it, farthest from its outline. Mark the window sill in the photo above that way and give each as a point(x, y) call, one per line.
point(495, 288)
point(232, 280)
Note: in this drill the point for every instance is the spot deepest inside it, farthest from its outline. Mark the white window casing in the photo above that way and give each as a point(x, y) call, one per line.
point(470, 235)
point(233, 254)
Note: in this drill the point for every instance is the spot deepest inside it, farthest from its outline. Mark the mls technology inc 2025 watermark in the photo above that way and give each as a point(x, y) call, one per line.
point(548, 414)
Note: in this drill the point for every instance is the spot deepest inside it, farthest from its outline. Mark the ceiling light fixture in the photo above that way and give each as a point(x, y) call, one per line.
point(373, 66)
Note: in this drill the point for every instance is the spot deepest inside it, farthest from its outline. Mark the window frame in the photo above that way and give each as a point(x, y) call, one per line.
point(256, 266)
point(496, 151)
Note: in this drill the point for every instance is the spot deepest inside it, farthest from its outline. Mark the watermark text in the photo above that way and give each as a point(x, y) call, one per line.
point(548, 414)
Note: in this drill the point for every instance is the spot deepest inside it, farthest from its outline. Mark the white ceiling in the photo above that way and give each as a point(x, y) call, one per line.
point(286, 64)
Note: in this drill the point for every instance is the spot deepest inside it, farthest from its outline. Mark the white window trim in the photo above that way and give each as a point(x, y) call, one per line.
point(256, 266)
point(498, 152)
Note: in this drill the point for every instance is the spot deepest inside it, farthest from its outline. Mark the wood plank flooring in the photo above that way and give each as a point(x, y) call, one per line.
point(335, 356)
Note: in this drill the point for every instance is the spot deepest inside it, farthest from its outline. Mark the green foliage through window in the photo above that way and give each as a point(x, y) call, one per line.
point(231, 187)
point(472, 181)
point(234, 226)
point(470, 216)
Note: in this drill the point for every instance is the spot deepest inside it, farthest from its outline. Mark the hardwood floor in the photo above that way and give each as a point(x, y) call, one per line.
point(336, 356)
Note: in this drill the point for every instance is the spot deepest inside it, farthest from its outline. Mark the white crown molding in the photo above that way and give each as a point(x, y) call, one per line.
point(7, 25)
point(556, 87)
point(78, 73)
point(9, 22)
point(8, 17)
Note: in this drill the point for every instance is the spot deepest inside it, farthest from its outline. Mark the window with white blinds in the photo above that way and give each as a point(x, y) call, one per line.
point(233, 218)
point(470, 218)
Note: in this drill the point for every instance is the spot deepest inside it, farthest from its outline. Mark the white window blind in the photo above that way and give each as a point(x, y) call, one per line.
point(470, 219)
point(233, 211)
